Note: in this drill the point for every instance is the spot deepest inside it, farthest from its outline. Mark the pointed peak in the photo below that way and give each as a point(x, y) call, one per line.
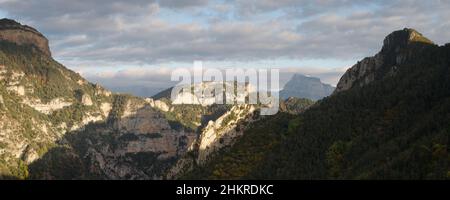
point(401, 38)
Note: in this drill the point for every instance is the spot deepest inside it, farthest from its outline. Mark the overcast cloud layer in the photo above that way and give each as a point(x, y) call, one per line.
point(118, 34)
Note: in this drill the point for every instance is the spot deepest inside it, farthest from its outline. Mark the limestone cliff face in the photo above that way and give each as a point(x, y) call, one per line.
point(394, 52)
point(360, 74)
point(36, 114)
point(15, 32)
point(41, 100)
point(216, 135)
point(48, 113)
point(222, 132)
point(140, 144)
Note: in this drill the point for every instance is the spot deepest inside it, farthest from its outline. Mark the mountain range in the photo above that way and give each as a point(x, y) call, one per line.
point(386, 119)
point(57, 125)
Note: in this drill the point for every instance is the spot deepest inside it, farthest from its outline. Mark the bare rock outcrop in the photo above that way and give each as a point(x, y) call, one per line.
point(222, 132)
point(15, 32)
point(393, 53)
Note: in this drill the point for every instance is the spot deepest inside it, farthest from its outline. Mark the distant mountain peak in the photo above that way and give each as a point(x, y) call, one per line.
point(13, 31)
point(303, 86)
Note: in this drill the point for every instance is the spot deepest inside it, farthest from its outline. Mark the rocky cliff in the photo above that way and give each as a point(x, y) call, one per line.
point(57, 125)
point(41, 100)
point(17, 33)
point(398, 48)
point(54, 124)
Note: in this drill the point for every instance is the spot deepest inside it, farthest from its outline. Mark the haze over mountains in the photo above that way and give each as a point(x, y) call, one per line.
point(147, 83)
point(387, 119)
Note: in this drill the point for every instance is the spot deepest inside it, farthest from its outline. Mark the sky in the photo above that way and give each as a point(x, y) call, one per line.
point(134, 44)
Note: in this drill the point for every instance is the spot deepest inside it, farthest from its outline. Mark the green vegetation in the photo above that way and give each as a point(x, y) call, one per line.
point(192, 117)
point(296, 105)
point(118, 106)
point(386, 129)
point(60, 163)
point(48, 78)
point(247, 154)
point(22, 170)
point(394, 128)
point(45, 79)
point(188, 116)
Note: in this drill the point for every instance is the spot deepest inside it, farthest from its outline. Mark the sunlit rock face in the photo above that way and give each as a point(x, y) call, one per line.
point(223, 131)
point(212, 92)
point(47, 108)
point(362, 73)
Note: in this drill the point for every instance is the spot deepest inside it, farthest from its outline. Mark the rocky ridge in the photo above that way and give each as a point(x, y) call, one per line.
point(394, 52)
point(54, 124)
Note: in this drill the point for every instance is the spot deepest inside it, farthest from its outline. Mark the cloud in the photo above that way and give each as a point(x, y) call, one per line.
point(145, 32)
point(143, 82)
point(134, 33)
